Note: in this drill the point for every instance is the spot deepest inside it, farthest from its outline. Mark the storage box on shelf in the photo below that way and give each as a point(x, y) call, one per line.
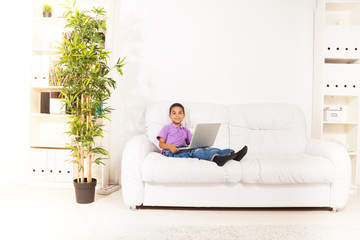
point(333, 114)
point(341, 42)
point(348, 105)
point(341, 78)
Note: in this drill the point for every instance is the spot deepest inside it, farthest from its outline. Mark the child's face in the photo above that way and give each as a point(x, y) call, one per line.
point(177, 115)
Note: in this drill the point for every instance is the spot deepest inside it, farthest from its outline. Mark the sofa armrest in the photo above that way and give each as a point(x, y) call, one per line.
point(135, 151)
point(337, 154)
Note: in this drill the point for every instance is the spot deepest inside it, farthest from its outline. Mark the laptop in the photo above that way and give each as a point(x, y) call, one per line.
point(204, 136)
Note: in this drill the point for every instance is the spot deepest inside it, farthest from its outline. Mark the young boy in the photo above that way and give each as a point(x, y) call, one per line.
point(173, 135)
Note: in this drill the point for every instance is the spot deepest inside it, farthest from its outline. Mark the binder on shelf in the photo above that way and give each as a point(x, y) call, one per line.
point(45, 102)
point(51, 164)
point(38, 163)
point(341, 78)
point(64, 169)
point(33, 166)
point(43, 164)
point(45, 68)
point(36, 68)
point(41, 70)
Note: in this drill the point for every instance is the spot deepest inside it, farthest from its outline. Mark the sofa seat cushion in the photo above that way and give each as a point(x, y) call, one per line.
point(286, 169)
point(157, 168)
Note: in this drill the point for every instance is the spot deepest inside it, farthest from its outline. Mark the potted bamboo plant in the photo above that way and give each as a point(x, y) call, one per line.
point(83, 73)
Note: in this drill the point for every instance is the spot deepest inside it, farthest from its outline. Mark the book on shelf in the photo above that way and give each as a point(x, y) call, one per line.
point(45, 102)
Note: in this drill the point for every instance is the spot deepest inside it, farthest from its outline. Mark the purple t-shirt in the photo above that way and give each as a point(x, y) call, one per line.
point(173, 134)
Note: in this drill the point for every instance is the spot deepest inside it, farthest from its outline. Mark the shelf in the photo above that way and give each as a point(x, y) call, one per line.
point(340, 95)
point(48, 146)
point(344, 134)
point(345, 123)
point(49, 50)
point(343, 6)
point(51, 115)
point(342, 13)
point(48, 131)
point(50, 19)
point(39, 87)
point(330, 60)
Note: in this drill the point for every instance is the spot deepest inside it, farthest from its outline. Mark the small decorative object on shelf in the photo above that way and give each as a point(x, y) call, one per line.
point(47, 10)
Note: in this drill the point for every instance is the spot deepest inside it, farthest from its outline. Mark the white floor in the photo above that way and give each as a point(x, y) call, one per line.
point(45, 213)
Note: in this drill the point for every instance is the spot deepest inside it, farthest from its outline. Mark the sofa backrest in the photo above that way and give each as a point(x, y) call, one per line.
point(157, 116)
point(263, 127)
point(267, 128)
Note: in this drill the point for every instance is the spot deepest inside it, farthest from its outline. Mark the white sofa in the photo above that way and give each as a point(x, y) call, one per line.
point(283, 168)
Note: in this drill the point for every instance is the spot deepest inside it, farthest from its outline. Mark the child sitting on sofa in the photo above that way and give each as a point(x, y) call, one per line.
point(173, 135)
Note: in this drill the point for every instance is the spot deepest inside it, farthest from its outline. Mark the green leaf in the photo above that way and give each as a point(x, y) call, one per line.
point(88, 81)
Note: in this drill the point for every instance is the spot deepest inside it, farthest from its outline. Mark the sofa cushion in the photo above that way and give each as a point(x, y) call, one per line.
point(267, 128)
point(157, 168)
point(157, 116)
point(286, 169)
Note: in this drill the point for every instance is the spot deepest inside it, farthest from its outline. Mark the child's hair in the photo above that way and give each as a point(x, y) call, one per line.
point(176, 105)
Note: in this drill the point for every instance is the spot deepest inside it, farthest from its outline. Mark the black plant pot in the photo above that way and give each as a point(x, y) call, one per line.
point(85, 192)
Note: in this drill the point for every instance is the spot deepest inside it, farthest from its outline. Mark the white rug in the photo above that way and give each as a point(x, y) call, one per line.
point(259, 232)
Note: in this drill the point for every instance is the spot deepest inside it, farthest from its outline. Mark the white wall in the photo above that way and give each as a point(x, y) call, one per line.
point(229, 51)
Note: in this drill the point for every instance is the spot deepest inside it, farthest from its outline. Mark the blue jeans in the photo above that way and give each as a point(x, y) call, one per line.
point(202, 153)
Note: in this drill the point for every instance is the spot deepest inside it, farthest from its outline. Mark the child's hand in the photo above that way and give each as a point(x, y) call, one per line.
point(173, 148)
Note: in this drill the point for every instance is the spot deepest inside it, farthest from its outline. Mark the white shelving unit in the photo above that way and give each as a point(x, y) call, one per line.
point(337, 76)
point(48, 141)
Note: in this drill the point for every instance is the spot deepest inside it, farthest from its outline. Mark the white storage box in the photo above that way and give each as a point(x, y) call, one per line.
point(333, 114)
point(341, 79)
